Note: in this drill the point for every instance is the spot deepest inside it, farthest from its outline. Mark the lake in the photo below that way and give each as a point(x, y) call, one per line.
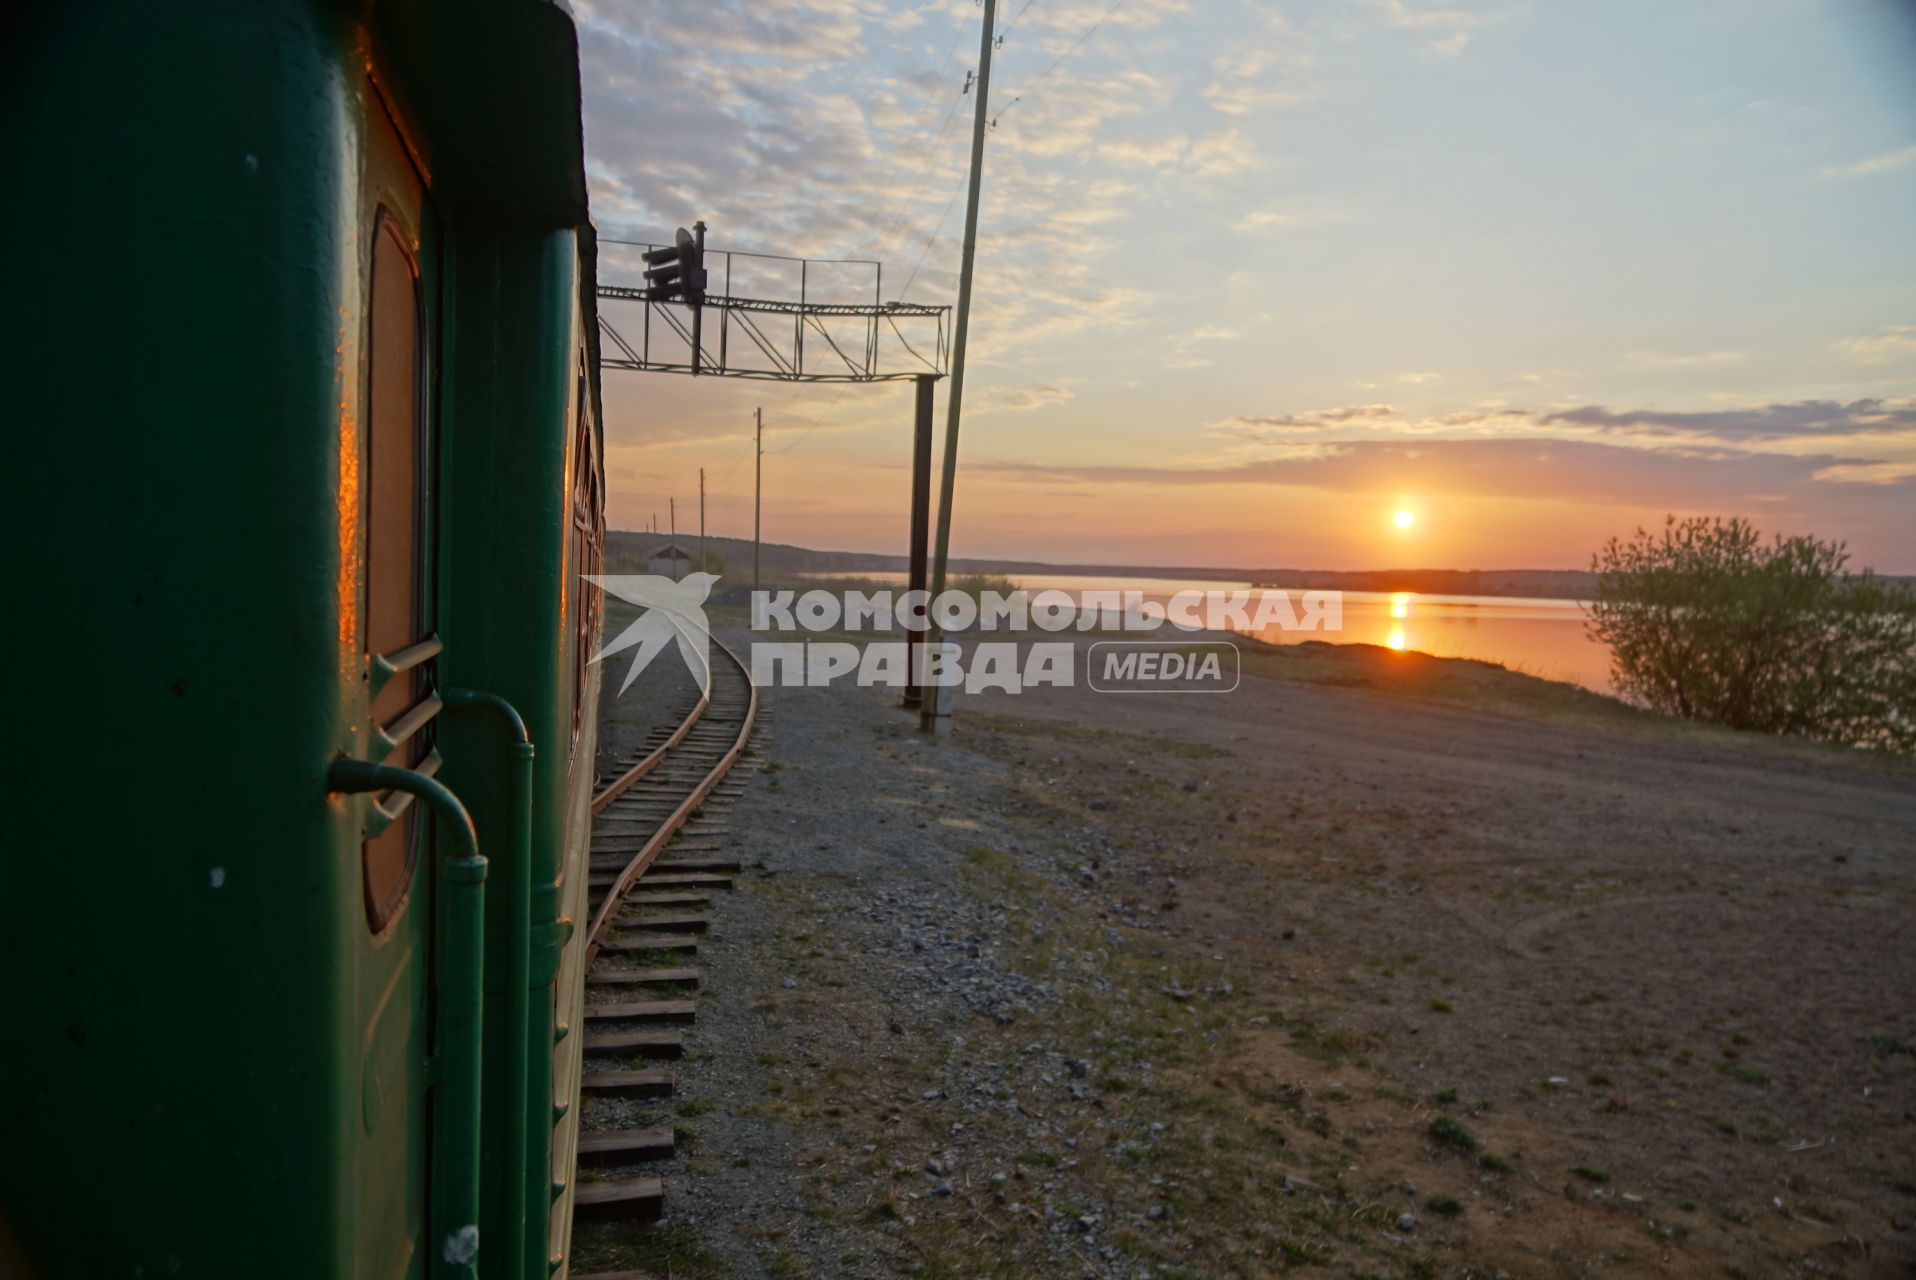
point(1538, 637)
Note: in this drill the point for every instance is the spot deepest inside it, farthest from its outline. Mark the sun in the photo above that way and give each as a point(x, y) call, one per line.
point(1405, 519)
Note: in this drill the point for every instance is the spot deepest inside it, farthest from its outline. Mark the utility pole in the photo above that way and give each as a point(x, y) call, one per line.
point(758, 486)
point(914, 698)
point(672, 510)
point(702, 561)
point(935, 714)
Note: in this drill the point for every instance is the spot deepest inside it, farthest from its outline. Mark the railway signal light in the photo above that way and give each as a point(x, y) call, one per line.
point(676, 272)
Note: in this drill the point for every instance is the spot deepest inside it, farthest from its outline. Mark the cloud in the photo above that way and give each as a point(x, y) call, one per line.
point(1294, 424)
point(1018, 399)
point(1216, 154)
point(1680, 360)
point(830, 128)
point(1886, 162)
point(1445, 31)
point(1222, 152)
point(1868, 472)
point(1184, 353)
point(1146, 151)
point(1285, 218)
point(1804, 419)
point(1804, 426)
point(1567, 470)
point(1891, 342)
point(1262, 75)
point(1419, 379)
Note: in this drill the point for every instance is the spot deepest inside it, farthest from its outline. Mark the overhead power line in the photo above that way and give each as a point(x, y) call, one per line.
point(806, 434)
point(1084, 35)
point(884, 211)
point(933, 237)
point(1006, 29)
point(904, 212)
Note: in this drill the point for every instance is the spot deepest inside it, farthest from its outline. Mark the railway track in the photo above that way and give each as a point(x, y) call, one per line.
point(659, 858)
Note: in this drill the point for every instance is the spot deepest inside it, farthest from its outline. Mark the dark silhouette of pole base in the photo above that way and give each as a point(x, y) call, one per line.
point(920, 523)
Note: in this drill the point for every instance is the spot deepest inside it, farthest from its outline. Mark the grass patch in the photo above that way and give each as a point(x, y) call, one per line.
point(1293, 1251)
point(1449, 1206)
point(1590, 1173)
point(1448, 1131)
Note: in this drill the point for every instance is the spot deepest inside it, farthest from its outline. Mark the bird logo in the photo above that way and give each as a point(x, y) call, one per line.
point(674, 611)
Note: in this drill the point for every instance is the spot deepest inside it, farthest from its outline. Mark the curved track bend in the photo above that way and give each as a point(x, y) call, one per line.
point(647, 911)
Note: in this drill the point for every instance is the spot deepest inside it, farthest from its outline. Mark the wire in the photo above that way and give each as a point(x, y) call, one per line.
point(815, 423)
point(964, 20)
point(904, 215)
point(883, 212)
point(1084, 35)
point(743, 454)
point(933, 237)
point(1006, 30)
point(898, 225)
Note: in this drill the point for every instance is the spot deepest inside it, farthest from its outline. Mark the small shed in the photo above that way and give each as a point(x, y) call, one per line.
point(668, 561)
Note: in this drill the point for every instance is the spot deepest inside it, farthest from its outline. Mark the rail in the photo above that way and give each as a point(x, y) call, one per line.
point(649, 851)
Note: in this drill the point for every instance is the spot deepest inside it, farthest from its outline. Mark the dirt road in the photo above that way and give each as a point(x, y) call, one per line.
point(1303, 978)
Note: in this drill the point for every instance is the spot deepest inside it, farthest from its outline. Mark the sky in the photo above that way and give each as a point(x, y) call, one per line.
point(1252, 277)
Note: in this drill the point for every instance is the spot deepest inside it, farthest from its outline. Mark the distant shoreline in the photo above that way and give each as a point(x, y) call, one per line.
point(1543, 584)
point(780, 557)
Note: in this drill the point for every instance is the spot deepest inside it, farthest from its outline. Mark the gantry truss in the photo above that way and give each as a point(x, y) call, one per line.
point(784, 340)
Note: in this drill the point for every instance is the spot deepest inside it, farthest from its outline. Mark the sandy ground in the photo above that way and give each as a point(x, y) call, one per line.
point(1299, 978)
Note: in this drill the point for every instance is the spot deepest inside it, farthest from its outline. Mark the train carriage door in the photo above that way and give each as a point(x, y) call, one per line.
point(394, 924)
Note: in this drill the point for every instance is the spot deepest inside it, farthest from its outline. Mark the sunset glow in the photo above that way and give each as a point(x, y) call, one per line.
point(1374, 319)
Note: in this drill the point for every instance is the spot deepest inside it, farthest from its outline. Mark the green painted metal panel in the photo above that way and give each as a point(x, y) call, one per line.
point(233, 1084)
point(505, 515)
point(181, 1059)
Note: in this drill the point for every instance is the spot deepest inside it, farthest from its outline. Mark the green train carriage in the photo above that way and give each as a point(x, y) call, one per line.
point(304, 471)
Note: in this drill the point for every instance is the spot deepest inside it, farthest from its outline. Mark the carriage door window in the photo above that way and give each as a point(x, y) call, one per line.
point(393, 613)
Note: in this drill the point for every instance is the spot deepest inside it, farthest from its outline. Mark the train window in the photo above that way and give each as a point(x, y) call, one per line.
point(395, 434)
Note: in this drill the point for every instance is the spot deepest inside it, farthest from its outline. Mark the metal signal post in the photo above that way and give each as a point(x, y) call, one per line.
point(758, 484)
point(869, 339)
point(676, 273)
point(795, 338)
